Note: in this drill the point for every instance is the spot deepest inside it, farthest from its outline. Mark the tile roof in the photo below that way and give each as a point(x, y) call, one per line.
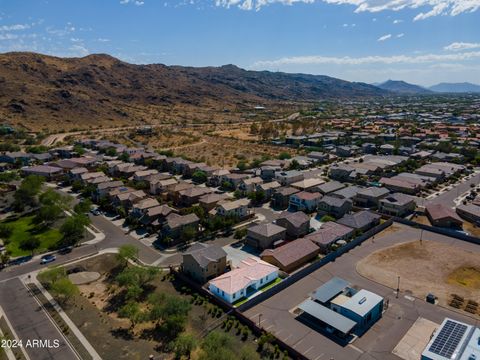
point(292, 251)
point(248, 271)
point(441, 211)
point(204, 254)
point(267, 230)
point(329, 232)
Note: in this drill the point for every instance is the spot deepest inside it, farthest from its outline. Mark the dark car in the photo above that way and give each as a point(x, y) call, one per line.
point(65, 250)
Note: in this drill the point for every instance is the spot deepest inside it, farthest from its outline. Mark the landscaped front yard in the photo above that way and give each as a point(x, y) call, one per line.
point(24, 228)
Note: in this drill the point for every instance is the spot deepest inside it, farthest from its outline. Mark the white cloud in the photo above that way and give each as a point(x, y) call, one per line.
point(8, 36)
point(397, 21)
point(135, 2)
point(384, 37)
point(400, 35)
point(460, 46)
point(14, 27)
point(79, 50)
point(435, 7)
point(348, 60)
point(103, 40)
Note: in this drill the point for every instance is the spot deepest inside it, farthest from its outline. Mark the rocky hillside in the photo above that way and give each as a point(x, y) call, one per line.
point(39, 91)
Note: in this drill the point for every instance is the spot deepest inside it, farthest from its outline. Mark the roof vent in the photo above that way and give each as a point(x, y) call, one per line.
point(362, 300)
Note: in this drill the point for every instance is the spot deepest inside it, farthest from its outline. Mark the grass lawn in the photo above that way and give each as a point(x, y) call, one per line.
point(24, 228)
point(272, 284)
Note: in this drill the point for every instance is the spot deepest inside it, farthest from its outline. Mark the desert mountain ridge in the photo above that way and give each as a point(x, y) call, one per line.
point(40, 91)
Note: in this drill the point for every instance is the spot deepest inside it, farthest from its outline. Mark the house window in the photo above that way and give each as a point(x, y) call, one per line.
point(223, 293)
point(234, 295)
point(261, 281)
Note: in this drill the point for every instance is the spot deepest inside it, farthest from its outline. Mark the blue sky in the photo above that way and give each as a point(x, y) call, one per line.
point(420, 41)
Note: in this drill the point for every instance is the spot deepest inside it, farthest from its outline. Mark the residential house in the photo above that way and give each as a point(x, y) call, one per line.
point(329, 233)
point(263, 236)
point(292, 255)
point(310, 184)
point(348, 192)
point(127, 198)
point(103, 189)
point(204, 262)
point(305, 201)
point(140, 208)
point(48, 172)
point(250, 276)
point(403, 185)
point(191, 196)
point(218, 177)
point(268, 188)
point(361, 221)
point(175, 226)
point(75, 173)
point(469, 212)
point(211, 200)
point(159, 186)
point(144, 174)
point(297, 223)
point(15, 157)
point(248, 185)
point(340, 172)
point(174, 190)
point(329, 187)
point(288, 177)
point(334, 206)
point(237, 208)
point(370, 197)
point(281, 197)
point(155, 216)
point(443, 216)
point(235, 179)
point(397, 204)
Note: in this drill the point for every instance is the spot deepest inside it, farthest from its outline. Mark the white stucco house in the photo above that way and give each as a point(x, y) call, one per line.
point(243, 281)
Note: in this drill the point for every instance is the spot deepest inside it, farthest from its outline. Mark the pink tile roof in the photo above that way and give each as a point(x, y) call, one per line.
point(248, 271)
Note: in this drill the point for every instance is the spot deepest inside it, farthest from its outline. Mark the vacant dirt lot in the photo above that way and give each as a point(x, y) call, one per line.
point(427, 267)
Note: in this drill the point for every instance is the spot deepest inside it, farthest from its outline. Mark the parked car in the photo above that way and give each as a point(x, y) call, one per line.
point(65, 250)
point(95, 212)
point(48, 259)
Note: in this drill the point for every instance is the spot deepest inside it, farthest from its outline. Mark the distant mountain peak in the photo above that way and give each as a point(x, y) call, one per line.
point(402, 87)
point(462, 87)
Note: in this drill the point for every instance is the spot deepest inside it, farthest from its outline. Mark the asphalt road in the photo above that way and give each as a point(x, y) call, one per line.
point(24, 313)
point(378, 342)
point(448, 198)
point(30, 322)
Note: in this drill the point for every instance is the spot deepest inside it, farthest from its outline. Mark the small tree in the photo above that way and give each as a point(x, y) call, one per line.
point(83, 206)
point(125, 253)
point(199, 176)
point(132, 312)
point(30, 243)
point(64, 289)
point(73, 229)
point(183, 345)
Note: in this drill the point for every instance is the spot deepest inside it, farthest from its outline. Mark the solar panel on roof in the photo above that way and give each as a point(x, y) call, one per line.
point(448, 339)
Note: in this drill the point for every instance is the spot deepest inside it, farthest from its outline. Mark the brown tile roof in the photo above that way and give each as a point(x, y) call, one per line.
point(291, 252)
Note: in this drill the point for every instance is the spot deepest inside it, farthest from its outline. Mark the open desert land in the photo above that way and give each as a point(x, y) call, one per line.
point(426, 267)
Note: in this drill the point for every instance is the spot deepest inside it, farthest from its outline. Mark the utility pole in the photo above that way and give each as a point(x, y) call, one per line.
point(398, 286)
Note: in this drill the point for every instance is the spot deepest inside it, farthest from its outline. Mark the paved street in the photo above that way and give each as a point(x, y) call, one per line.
point(31, 322)
point(380, 340)
point(448, 197)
